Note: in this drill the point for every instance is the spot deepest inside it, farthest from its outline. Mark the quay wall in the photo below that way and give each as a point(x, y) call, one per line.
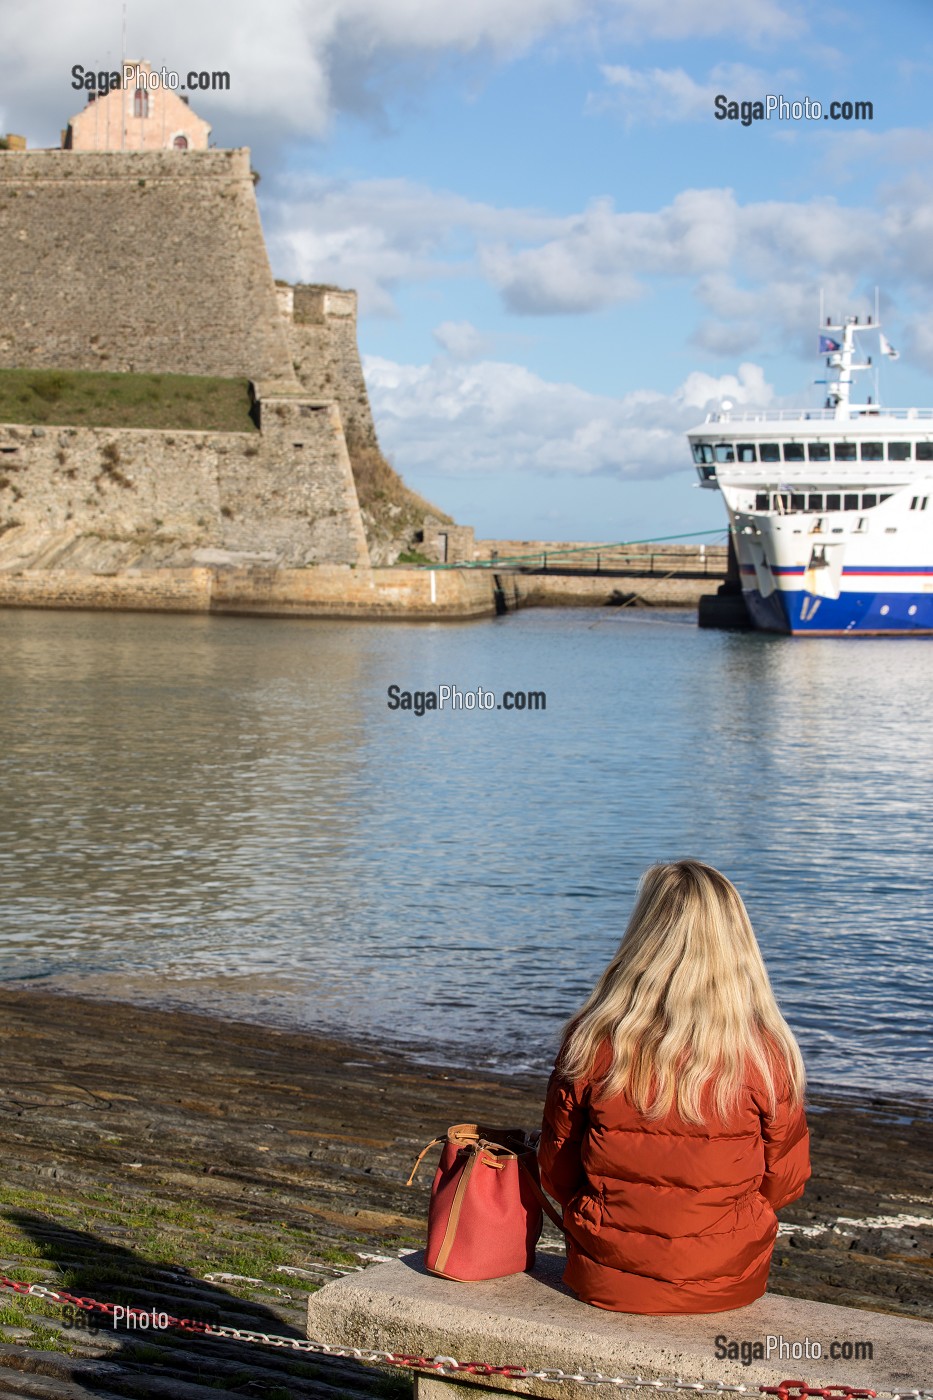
point(325, 591)
point(143, 590)
point(402, 594)
point(330, 591)
point(567, 591)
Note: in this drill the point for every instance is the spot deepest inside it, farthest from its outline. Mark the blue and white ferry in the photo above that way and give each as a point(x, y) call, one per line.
point(830, 510)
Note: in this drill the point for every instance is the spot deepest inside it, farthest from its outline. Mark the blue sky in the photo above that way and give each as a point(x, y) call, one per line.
point(562, 257)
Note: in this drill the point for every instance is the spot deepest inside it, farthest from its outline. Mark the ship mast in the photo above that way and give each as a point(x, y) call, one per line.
point(839, 390)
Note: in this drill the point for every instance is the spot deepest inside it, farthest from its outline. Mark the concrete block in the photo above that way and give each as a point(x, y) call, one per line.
point(534, 1321)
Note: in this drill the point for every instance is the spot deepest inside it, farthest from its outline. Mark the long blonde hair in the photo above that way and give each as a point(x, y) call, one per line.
point(685, 1003)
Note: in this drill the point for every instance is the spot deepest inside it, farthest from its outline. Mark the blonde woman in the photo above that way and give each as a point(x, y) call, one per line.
point(674, 1125)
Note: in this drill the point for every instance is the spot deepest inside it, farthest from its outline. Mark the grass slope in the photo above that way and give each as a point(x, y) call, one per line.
point(84, 398)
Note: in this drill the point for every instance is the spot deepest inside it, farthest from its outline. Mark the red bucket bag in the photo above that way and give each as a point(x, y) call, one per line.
point(485, 1214)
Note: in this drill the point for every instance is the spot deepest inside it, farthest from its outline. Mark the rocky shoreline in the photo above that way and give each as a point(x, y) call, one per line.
point(221, 1170)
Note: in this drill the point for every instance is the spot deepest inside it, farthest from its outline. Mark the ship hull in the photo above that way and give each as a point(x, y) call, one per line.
point(795, 612)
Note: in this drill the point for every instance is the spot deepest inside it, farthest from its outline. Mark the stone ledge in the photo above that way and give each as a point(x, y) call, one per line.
point(533, 1320)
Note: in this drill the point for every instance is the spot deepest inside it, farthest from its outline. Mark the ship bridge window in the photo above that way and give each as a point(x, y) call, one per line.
point(793, 452)
point(815, 502)
point(746, 452)
point(868, 501)
point(851, 501)
point(702, 453)
point(872, 451)
point(818, 451)
point(925, 451)
point(725, 452)
point(762, 501)
point(899, 451)
point(844, 451)
point(781, 502)
point(798, 502)
point(770, 451)
point(833, 501)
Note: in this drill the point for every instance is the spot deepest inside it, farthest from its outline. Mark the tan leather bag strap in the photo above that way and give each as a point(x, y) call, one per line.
point(421, 1156)
point(468, 1135)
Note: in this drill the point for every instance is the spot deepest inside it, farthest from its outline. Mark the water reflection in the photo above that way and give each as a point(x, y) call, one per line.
point(224, 813)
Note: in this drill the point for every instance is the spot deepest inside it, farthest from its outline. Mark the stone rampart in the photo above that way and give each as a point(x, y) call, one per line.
point(321, 325)
point(137, 260)
point(106, 498)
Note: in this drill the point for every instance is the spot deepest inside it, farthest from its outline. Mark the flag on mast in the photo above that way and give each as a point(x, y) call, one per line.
point(828, 346)
point(886, 347)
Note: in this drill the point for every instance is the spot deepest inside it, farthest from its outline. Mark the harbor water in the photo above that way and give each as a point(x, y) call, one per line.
point(226, 815)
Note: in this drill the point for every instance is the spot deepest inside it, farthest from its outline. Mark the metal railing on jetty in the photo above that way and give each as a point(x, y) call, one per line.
point(641, 558)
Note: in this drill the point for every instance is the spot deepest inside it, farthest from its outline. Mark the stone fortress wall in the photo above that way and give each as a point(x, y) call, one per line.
point(321, 324)
point(155, 262)
point(137, 260)
point(104, 499)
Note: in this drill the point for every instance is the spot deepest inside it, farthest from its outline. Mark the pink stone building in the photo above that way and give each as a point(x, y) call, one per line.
point(142, 115)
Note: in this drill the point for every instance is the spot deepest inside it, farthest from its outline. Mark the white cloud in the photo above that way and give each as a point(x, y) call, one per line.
point(296, 62)
point(653, 95)
point(918, 344)
point(599, 256)
point(754, 269)
point(727, 338)
point(850, 151)
point(461, 340)
point(603, 256)
point(754, 20)
point(908, 225)
point(458, 419)
point(775, 310)
point(375, 235)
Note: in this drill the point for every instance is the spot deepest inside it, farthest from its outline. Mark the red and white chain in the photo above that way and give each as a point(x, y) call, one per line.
point(449, 1365)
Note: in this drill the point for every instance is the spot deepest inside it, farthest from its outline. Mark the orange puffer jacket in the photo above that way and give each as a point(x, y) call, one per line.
point(666, 1216)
